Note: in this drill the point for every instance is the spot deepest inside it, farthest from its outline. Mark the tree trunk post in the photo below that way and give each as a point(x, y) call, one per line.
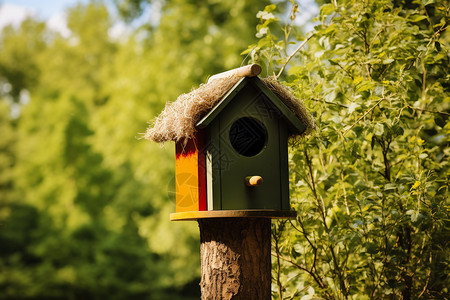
point(235, 258)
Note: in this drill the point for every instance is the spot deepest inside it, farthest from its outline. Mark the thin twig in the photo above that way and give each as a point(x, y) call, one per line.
point(314, 276)
point(280, 286)
point(331, 103)
point(376, 35)
point(428, 279)
point(427, 110)
point(321, 207)
point(363, 116)
point(348, 73)
point(292, 55)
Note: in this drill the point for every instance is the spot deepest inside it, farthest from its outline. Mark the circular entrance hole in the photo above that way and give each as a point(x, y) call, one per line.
point(248, 136)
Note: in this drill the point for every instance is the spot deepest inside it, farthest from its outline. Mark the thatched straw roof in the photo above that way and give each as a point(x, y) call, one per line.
point(178, 119)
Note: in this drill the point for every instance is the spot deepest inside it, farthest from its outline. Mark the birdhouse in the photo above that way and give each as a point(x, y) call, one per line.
point(231, 138)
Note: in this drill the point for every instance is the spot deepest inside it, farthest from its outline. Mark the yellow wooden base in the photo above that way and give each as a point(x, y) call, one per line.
point(269, 214)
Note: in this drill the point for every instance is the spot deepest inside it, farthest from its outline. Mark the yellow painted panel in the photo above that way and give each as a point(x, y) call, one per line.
point(186, 180)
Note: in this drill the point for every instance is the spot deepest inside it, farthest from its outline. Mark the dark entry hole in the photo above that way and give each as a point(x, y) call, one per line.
point(248, 136)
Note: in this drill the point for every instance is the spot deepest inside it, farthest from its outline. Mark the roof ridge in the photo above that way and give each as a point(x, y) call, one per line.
point(178, 120)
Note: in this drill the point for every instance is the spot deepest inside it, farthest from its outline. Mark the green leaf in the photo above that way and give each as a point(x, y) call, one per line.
point(326, 9)
point(270, 8)
point(390, 186)
point(365, 85)
point(295, 70)
point(417, 18)
point(333, 62)
point(378, 129)
point(248, 50)
point(357, 79)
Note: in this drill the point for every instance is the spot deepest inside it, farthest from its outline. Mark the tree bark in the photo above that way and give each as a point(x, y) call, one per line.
point(235, 258)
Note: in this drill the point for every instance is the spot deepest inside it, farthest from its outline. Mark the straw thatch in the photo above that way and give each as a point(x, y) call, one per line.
point(293, 103)
point(178, 119)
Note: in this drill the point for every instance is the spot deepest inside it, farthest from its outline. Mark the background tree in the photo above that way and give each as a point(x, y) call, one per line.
point(84, 203)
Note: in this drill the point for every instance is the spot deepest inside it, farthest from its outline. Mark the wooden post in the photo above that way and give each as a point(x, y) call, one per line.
point(235, 258)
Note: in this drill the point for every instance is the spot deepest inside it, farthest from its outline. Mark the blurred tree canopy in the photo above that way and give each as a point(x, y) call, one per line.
point(84, 203)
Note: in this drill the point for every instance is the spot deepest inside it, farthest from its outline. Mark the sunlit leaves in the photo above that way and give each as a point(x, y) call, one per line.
point(372, 180)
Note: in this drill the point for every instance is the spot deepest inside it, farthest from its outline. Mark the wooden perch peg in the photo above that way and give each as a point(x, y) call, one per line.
point(245, 71)
point(253, 180)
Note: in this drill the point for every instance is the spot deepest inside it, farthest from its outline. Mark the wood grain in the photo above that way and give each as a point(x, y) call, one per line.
point(245, 71)
point(235, 258)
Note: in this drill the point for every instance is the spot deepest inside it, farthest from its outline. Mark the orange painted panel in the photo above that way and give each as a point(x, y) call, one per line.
point(186, 177)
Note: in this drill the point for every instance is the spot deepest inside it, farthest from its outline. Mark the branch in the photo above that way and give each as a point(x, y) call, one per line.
point(428, 279)
point(316, 278)
point(276, 237)
point(343, 69)
point(303, 232)
point(322, 210)
point(292, 55)
point(376, 35)
point(427, 110)
point(331, 103)
point(363, 116)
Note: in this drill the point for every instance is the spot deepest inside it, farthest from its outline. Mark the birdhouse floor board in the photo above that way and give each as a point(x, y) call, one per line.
point(267, 214)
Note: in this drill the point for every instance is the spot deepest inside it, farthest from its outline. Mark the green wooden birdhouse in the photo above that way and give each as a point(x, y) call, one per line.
point(231, 139)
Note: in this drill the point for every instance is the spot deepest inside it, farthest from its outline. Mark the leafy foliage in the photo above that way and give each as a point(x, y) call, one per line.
point(83, 203)
point(371, 185)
